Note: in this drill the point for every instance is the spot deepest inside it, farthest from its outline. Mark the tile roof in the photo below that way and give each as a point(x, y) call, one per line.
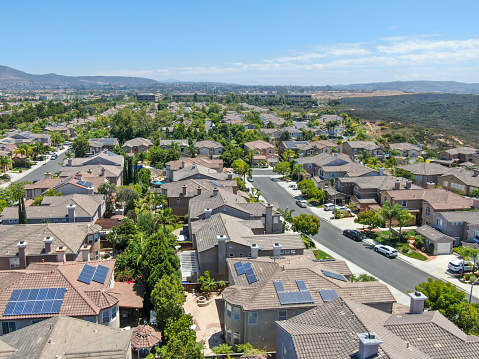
point(377, 182)
point(464, 175)
point(404, 146)
point(434, 235)
point(461, 150)
point(169, 142)
point(438, 198)
point(176, 165)
point(425, 169)
point(262, 295)
point(131, 294)
point(69, 235)
point(144, 336)
point(80, 299)
point(352, 169)
point(325, 159)
point(138, 141)
point(194, 170)
point(462, 216)
point(91, 170)
point(175, 189)
point(65, 337)
point(367, 145)
point(198, 204)
point(208, 144)
point(259, 144)
point(102, 158)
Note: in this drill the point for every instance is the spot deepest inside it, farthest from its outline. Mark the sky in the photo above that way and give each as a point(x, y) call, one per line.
point(246, 42)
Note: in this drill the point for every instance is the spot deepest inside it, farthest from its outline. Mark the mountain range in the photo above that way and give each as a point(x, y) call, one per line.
point(416, 86)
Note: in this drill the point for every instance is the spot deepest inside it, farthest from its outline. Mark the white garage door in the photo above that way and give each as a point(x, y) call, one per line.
point(443, 248)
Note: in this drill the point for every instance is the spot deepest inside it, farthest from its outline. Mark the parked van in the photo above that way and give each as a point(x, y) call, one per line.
point(456, 266)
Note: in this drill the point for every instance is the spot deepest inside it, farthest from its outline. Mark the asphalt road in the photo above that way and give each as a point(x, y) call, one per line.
point(51, 166)
point(395, 272)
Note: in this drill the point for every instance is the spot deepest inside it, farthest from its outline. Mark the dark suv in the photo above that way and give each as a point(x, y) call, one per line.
point(353, 234)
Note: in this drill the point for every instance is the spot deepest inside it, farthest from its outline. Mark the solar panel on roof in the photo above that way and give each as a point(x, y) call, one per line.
point(301, 285)
point(9, 308)
point(217, 184)
point(239, 268)
point(24, 294)
point(100, 274)
point(15, 294)
point(251, 278)
point(247, 265)
point(334, 275)
point(86, 274)
point(42, 294)
point(303, 296)
point(328, 294)
point(279, 286)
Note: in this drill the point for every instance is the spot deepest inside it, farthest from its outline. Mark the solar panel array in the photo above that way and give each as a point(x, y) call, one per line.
point(35, 301)
point(97, 274)
point(334, 275)
point(217, 184)
point(84, 183)
point(328, 294)
point(246, 268)
point(303, 296)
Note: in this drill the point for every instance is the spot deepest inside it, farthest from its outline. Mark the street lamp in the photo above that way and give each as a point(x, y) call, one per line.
point(472, 286)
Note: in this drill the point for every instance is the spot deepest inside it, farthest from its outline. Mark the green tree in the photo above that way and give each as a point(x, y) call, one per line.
point(5, 162)
point(468, 254)
point(144, 178)
point(126, 194)
point(404, 217)
point(241, 184)
point(475, 193)
point(80, 146)
point(288, 154)
point(369, 218)
point(208, 284)
point(249, 350)
point(389, 212)
point(168, 297)
point(306, 224)
point(108, 189)
point(282, 168)
point(241, 168)
point(181, 347)
point(364, 156)
point(222, 349)
point(298, 171)
point(165, 217)
point(287, 216)
point(56, 138)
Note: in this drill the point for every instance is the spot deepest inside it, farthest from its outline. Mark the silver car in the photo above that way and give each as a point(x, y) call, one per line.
point(388, 251)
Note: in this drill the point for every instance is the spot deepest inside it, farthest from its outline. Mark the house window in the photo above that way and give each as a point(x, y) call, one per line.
point(113, 312)
point(428, 211)
point(8, 327)
point(310, 165)
point(90, 239)
point(439, 223)
point(236, 313)
point(253, 318)
point(106, 317)
point(232, 255)
point(36, 321)
point(287, 251)
point(96, 237)
point(236, 338)
point(241, 255)
point(97, 255)
point(404, 203)
point(446, 183)
point(64, 220)
point(228, 310)
point(231, 245)
point(270, 151)
point(275, 220)
point(228, 336)
point(55, 220)
point(282, 315)
point(293, 251)
point(476, 235)
point(14, 262)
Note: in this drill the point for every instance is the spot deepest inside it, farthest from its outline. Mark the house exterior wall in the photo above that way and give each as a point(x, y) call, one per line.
point(284, 345)
point(71, 189)
point(453, 184)
point(179, 205)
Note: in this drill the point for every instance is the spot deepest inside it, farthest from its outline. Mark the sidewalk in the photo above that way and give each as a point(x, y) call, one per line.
point(15, 177)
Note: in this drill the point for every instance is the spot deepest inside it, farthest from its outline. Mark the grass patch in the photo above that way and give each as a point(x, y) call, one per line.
point(319, 254)
point(415, 255)
point(403, 248)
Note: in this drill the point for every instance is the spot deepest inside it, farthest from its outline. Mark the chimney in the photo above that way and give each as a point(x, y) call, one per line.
point(183, 190)
point(78, 176)
point(381, 171)
point(268, 223)
point(368, 344)
point(103, 172)
point(475, 202)
point(22, 253)
point(230, 176)
point(215, 191)
point(221, 254)
point(235, 189)
point(208, 213)
point(71, 213)
point(198, 190)
point(417, 302)
point(254, 251)
point(60, 254)
point(475, 172)
point(182, 164)
point(430, 185)
point(408, 184)
point(47, 175)
point(70, 161)
point(48, 244)
point(397, 184)
point(90, 190)
point(277, 250)
point(85, 253)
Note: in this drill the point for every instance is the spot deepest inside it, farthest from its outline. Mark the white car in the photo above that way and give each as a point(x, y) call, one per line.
point(456, 266)
point(328, 206)
point(388, 251)
point(302, 203)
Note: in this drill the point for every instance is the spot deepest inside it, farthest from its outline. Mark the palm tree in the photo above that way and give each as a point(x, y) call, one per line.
point(251, 154)
point(288, 154)
point(364, 156)
point(468, 254)
point(255, 192)
point(165, 217)
point(37, 149)
point(389, 212)
point(298, 171)
point(175, 147)
point(154, 200)
point(404, 217)
point(23, 150)
point(287, 215)
point(192, 150)
point(5, 162)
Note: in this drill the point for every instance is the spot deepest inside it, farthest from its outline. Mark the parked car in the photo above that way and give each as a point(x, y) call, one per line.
point(386, 250)
point(353, 234)
point(250, 179)
point(54, 157)
point(456, 266)
point(328, 206)
point(342, 208)
point(302, 203)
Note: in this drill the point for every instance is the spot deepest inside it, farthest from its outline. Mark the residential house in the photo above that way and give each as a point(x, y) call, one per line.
point(263, 151)
point(113, 174)
point(66, 130)
point(460, 180)
point(423, 203)
point(97, 145)
point(137, 145)
point(178, 194)
point(223, 201)
point(60, 209)
point(209, 149)
point(26, 137)
point(275, 120)
point(264, 290)
point(354, 148)
point(23, 244)
point(199, 172)
point(173, 166)
point(294, 132)
point(66, 337)
point(222, 236)
point(325, 146)
point(182, 144)
point(406, 149)
point(300, 148)
point(312, 165)
point(102, 158)
point(76, 294)
point(324, 119)
point(459, 154)
point(344, 328)
point(148, 97)
point(425, 173)
point(274, 134)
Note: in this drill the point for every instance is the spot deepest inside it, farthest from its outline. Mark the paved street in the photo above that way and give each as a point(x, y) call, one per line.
point(398, 274)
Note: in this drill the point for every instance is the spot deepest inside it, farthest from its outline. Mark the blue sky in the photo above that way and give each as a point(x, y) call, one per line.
point(247, 42)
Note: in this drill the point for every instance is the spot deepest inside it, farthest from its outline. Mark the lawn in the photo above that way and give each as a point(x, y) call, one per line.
point(319, 254)
point(403, 248)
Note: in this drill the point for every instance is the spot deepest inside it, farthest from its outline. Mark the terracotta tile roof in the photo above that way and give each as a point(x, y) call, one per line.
point(144, 336)
point(138, 141)
point(195, 169)
point(426, 169)
point(131, 294)
point(438, 198)
point(259, 144)
point(176, 165)
point(208, 144)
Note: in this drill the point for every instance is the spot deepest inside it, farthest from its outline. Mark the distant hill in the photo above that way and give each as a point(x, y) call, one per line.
point(15, 78)
point(416, 86)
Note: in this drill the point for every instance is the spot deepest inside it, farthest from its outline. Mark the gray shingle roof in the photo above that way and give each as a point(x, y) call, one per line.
point(195, 169)
point(462, 216)
point(138, 141)
point(425, 169)
point(367, 145)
